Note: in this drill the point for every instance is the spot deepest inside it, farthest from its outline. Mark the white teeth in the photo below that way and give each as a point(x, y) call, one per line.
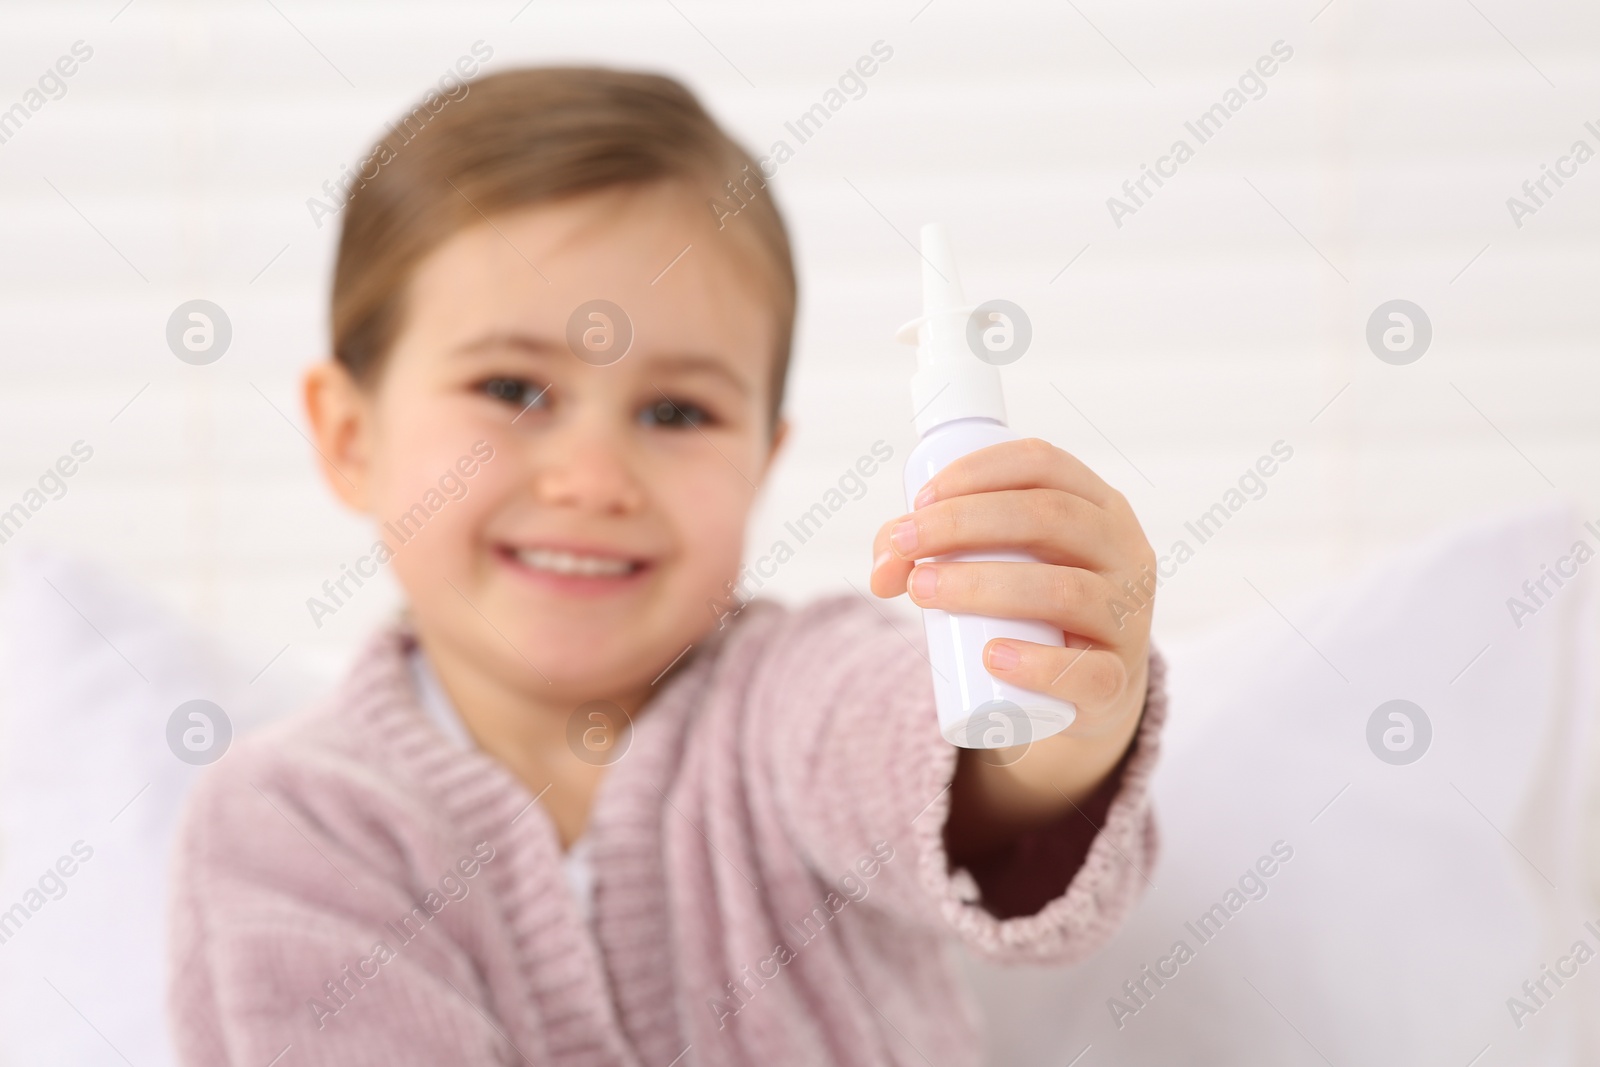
point(558, 562)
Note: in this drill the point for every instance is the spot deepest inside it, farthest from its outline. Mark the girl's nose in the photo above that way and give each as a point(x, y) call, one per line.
point(588, 467)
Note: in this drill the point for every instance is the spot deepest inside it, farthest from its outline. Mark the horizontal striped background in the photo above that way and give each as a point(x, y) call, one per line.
point(1226, 314)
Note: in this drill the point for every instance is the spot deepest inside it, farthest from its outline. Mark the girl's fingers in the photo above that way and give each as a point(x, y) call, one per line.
point(1072, 599)
point(1052, 525)
point(1026, 464)
point(889, 571)
point(1091, 678)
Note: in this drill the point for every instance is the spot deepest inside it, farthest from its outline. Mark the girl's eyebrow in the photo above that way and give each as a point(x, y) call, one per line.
point(697, 364)
point(524, 342)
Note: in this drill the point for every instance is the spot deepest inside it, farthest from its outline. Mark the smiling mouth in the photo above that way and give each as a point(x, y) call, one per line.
point(568, 564)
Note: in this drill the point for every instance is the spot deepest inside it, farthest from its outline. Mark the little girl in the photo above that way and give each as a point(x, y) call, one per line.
point(573, 807)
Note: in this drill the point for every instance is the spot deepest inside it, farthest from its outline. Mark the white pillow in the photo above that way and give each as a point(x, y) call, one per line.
point(87, 763)
point(1417, 902)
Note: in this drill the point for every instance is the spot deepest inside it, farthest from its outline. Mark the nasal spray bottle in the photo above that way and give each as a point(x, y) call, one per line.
point(960, 409)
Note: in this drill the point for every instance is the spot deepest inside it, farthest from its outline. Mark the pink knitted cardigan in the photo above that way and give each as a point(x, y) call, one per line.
point(771, 885)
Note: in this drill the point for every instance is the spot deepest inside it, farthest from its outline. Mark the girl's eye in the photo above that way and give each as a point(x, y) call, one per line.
point(678, 414)
point(516, 391)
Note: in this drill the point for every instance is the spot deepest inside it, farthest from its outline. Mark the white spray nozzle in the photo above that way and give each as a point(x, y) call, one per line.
point(951, 381)
point(941, 282)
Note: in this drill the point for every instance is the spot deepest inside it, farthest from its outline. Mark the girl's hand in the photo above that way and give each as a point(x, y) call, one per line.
point(1095, 579)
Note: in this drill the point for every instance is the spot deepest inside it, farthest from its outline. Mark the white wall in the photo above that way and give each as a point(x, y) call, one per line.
point(1188, 340)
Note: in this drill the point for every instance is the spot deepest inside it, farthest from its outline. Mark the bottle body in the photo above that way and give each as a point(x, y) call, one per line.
point(976, 709)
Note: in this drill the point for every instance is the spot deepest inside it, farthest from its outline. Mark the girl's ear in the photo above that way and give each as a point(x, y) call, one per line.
point(341, 420)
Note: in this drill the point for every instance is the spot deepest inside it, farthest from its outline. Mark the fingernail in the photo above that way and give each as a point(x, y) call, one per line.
point(904, 537)
point(1003, 657)
point(924, 582)
point(883, 557)
point(924, 497)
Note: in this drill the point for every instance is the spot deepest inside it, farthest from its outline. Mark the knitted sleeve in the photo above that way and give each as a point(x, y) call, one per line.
point(859, 769)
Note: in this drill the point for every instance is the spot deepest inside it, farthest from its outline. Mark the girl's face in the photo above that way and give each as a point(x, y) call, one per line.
point(608, 495)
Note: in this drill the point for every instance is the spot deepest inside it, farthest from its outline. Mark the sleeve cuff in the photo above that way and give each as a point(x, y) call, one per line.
point(1102, 892)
